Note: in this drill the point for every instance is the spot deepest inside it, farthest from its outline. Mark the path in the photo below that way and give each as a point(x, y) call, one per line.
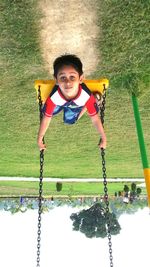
point(70, 180)
point(69, 27)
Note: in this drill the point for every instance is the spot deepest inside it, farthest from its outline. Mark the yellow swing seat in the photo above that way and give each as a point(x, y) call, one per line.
point(46, 86)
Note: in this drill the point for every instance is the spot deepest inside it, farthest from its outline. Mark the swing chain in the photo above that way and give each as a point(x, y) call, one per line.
point(106, 206)
point(102, 108)
point(40, 187)
point(102, 113)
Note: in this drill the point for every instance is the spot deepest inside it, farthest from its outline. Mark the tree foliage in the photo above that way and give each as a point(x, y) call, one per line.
point(124, 44)
point(93, 221)
point(129, 194)
point(58, 186)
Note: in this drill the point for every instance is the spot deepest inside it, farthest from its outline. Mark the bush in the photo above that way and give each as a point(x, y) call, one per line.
point(58, 186)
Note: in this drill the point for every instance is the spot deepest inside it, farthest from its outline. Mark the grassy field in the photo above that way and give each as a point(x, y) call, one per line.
point(72, 151)
point(12, 188)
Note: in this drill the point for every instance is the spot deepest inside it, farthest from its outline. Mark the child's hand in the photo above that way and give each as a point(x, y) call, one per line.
point(102, 143)
point(41, 145)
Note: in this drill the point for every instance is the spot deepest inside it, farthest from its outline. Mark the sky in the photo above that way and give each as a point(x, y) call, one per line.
point(61, 246)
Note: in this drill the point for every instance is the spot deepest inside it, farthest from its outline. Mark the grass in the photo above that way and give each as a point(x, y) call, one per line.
point(49, 189)
point(72, 151)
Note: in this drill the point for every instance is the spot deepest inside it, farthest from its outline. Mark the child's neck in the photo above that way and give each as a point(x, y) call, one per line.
point(70, 96)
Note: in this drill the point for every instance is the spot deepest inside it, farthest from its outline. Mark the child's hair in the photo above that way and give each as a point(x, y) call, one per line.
point(67, 60)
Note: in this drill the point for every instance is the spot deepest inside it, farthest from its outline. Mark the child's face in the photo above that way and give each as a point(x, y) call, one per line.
point(68, 80)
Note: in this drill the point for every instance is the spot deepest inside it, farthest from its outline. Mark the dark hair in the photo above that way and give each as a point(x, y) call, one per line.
point(67, 60)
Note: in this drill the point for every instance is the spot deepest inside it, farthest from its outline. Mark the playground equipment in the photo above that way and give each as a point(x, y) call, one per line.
point(46, 86)
point(140, 135)
point(43, 89)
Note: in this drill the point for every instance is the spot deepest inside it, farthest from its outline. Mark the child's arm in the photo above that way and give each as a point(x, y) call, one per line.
point(98, 125)
point(42, 130)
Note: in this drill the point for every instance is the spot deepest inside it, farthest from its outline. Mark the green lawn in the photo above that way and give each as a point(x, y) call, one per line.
point(68, 189)
point(72, 151)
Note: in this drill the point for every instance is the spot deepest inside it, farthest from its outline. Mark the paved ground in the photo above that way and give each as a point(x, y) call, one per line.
point(69, 27)
point(32, 179)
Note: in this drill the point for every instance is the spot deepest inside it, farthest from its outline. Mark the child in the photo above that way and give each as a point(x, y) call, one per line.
point(70, 95)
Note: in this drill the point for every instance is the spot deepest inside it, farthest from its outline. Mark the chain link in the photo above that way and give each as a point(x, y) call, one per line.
point(40, 198)
point(102, 113)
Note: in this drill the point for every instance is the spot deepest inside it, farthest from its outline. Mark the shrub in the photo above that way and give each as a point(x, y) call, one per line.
point(58, 186)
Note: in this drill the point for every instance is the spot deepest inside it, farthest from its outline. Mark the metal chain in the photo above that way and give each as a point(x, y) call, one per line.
point(102, 113)
point(40, 187)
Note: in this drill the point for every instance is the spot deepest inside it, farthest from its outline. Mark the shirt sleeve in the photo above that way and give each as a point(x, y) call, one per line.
point(49, 107)
point(92, 106)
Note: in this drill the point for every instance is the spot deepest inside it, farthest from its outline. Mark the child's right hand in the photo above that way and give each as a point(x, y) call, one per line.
point(41, 145)
point(102, 144)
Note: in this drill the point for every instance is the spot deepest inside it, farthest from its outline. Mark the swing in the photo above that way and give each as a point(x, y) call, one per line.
point(46, 86)
point(43, 89)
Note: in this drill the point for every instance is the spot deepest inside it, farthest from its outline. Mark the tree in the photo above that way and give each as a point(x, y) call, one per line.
point(135, 192)
point(116, 194)
point(132, 193)
point(125, 27)
point(126, 190)
point(138, 191)
point(93, 221)
point(58, 186)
